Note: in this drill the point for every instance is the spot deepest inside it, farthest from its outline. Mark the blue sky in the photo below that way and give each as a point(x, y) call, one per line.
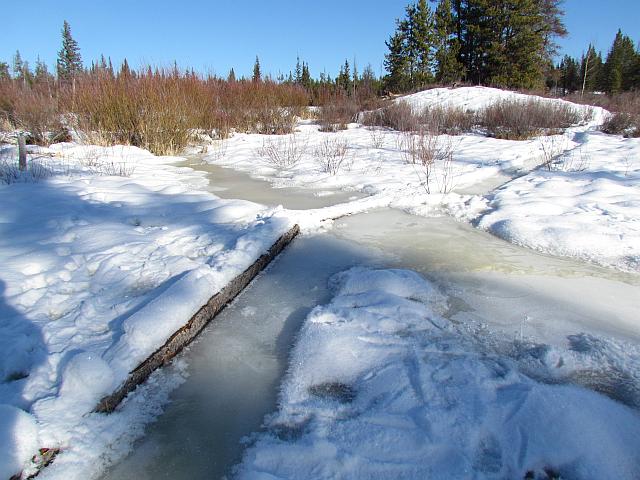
point(213, 36)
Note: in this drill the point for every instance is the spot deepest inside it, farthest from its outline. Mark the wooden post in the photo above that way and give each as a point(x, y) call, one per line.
point(22, 153)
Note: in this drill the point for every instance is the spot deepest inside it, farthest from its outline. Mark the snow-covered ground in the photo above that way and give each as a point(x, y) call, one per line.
point(97, 272)
point(587, 206)
point(380, 385)
point(112, 249)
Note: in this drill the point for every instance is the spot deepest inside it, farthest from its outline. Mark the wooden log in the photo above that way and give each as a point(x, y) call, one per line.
point(194, 326)
point(22, 153)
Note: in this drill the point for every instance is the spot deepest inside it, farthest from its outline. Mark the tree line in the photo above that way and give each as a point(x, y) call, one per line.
point(618, 72)
point(507, 43)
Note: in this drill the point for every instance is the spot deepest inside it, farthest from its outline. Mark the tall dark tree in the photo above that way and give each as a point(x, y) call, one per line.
point(620, 64)
point(448, 68)
point(396, 63)
point(4, 71)
point(591, 74)
point(18, 66)
point(257, 73)
point(69, 63)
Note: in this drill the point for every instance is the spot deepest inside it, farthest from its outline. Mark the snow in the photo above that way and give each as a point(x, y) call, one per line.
point(18, 439)
point(476, 98)
point(380, 385)
point(586, 206)
point(106, 251)
point(99, 270)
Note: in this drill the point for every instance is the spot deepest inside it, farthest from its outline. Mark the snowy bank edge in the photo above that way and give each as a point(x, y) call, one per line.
point(187, 333)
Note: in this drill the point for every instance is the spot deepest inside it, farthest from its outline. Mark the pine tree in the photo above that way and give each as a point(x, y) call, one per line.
point(41, 74)
point(69, 60)
point(448, 67)
point(257, 74)
point(298, 74)
point(18, 66)
point(232, 76)
point(305, 78)
point(397, 64)
point(4, 71)
point(569, 75)
point(344, 78)
point(591, 70)
point(418, 31)
point(620, 64)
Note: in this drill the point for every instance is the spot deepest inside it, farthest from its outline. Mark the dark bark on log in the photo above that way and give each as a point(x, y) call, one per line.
point(194, 326)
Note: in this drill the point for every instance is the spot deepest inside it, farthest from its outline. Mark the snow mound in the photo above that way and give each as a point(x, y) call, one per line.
point(477, 98)
point(18, 440)
point(382, 386)
point(587, 206)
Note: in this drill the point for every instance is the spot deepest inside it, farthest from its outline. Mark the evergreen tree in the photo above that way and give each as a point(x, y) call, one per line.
point(4, 71)
point(298, 74)
point(41, 74)
point(257, 74)
point(448, 67)
point(18, 66)
point(305, 77)
point(418, 31)
point(620, 64)
point(69, 60)
point(569, 75)
point(591, 70)
point(125, 71)
point(344, 78)
point(232, 76)
point(396, 63)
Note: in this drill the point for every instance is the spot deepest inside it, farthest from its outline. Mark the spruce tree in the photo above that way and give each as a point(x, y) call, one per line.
point(69, 63)
point(620, 64)
point(448, 68)
point(232, 76)
point(257, 74)
point(18, 66)
point(4, 71)
point(396, 63)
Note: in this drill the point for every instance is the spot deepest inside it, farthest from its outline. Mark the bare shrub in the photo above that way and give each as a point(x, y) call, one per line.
point(397, 115)
point(432, 158)
point(447, 120)
point(36, 112)
point(377, 137)
point(577, 160)
point(10, 171)
point(552, 147)
point(337, 113)
point(622, 123)
point(331, 154)
point(282, 152)
point(520, 120)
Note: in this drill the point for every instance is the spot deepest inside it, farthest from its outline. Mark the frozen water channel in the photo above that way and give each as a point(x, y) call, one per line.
point(500, 290)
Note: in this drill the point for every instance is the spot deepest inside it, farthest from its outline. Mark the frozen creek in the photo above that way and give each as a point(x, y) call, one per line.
point(501, 292)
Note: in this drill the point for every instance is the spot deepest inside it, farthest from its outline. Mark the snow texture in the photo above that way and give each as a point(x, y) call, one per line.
point(587, 205)
point(380, 385)
point(98, 271)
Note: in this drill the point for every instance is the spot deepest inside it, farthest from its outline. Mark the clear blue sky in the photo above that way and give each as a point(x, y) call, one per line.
point(217, 35)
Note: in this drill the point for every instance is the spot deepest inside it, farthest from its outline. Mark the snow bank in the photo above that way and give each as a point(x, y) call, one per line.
point(477, 98)
point(380, 385)
point(588, 206)
point(18, 440)
point(99, 270)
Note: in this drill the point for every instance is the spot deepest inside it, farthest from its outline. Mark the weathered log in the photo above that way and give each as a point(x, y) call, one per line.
point(194, 326)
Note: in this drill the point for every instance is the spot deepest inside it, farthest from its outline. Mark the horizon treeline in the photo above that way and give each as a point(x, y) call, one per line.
point(618, 72)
